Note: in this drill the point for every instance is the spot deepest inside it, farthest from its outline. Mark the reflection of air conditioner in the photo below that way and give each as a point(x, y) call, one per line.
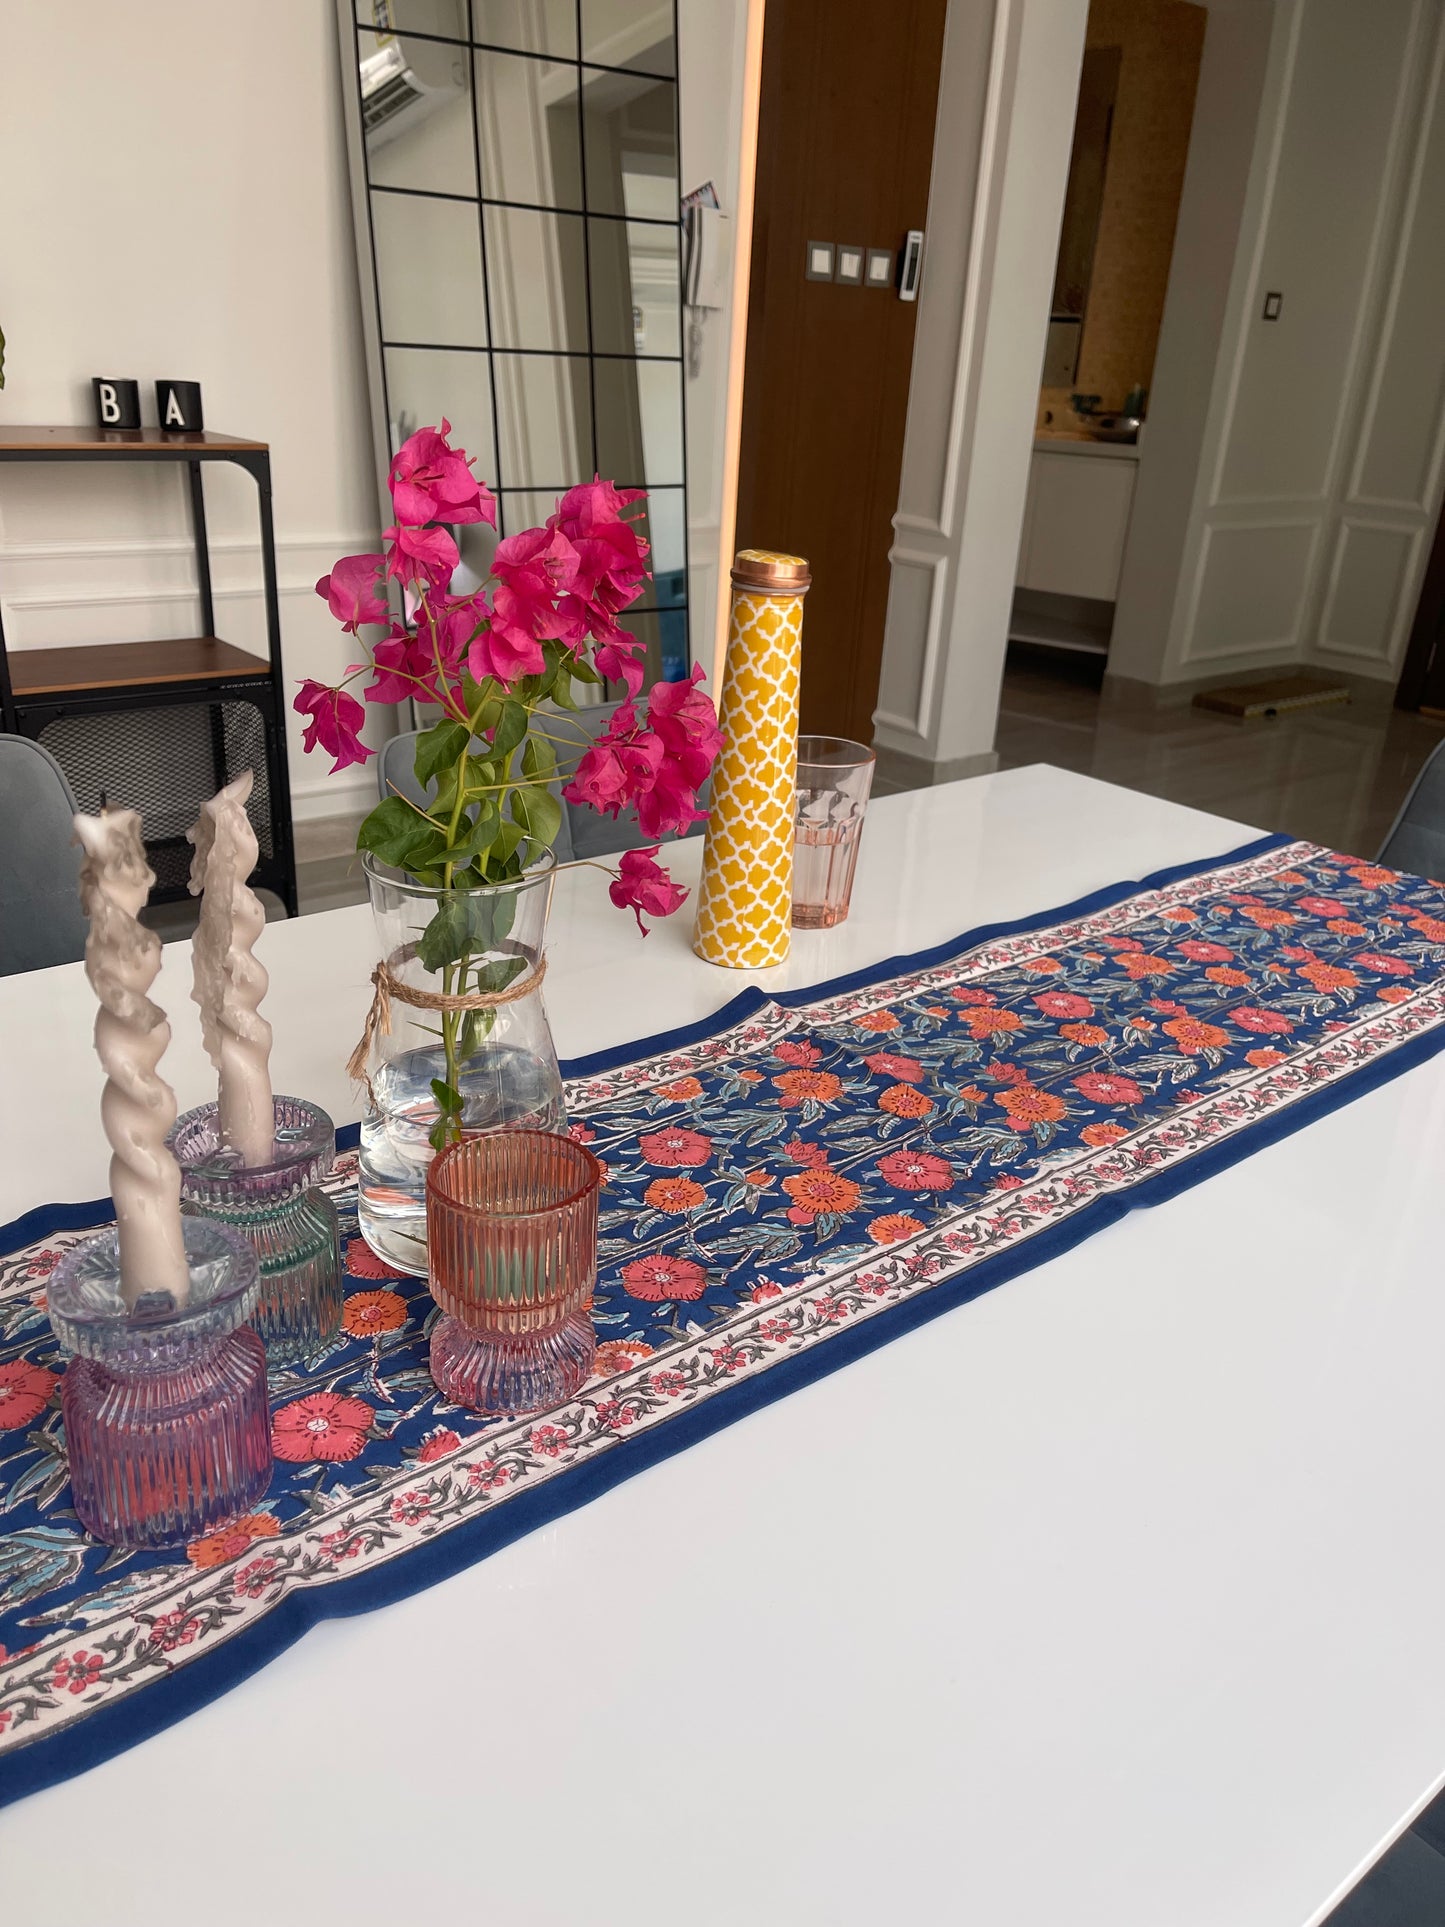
point(403, 79)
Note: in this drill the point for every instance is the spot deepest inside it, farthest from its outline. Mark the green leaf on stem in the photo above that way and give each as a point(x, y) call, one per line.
point(539, 813)
point(463, 924)
point(443, 743)
point(539, 762)
point(400, 834)
point(478, 834)
point(511, 728)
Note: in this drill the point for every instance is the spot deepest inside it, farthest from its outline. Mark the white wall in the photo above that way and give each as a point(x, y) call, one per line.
point(1310, 447)
point(1007, 93)
point(176, 204)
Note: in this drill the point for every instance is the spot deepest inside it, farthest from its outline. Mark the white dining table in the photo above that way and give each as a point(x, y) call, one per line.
point(1116, 1596)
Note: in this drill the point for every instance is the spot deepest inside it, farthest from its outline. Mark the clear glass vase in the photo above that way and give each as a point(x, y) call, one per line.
point(513, 1234)
point(167, 1428)
point(290, 1223)
point(452, 943)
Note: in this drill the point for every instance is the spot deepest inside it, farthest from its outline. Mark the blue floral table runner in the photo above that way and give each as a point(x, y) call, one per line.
point(789, 1185)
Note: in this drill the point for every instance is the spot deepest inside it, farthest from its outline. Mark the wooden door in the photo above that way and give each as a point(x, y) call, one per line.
point(845, 148)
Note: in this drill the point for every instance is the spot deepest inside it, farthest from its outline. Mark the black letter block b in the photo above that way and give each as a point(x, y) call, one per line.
point(117, 402)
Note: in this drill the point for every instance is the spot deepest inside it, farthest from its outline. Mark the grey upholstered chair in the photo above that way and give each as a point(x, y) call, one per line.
point(1417, 836)
point(583, 833)
point(41, 921)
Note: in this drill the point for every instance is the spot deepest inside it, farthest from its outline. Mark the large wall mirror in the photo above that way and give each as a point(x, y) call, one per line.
point(515, 174)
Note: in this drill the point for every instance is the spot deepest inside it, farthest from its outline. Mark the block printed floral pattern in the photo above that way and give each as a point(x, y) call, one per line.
point(795, 1176)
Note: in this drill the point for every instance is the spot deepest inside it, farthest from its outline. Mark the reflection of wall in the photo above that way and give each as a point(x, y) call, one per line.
point(1318, 467)
point(210, 238)
point(1159, 42)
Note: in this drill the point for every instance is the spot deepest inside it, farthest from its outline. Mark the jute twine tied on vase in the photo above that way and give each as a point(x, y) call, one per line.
point(388, 987)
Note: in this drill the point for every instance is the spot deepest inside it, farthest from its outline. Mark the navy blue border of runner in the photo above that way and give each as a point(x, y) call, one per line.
point(112, 1730)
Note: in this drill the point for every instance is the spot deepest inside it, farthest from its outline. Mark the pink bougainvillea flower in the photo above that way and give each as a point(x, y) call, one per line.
point(686, 721)
point(539, 564)
point(24, 1393)
point(621, 765)
point(616, 657)
point(660, 1277)
point(509, 646)
point(323, 1426)
point(431, 481)
point(424, 558)
point(335, 724)
point(405, 666)
point(353, 591)
point(645, 885)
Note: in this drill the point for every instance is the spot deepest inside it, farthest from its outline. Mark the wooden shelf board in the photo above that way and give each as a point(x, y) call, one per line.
point(128, 665)
point(17, 439)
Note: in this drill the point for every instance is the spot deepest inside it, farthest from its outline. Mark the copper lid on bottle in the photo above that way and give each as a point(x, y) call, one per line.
point(774, 574)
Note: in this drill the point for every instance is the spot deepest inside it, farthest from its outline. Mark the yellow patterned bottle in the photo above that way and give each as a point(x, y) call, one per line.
point(744, 902)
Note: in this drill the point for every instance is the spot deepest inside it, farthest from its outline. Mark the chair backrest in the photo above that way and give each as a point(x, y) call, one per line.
point(41, 921)
point(1417, 837)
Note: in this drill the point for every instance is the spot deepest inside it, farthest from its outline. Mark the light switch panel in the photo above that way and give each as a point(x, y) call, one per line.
point(819, 261)
point(879, 272)
point(850, 264)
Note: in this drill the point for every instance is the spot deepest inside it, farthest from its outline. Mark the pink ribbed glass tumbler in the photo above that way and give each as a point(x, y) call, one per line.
point(834, 778)
point(512, 1244)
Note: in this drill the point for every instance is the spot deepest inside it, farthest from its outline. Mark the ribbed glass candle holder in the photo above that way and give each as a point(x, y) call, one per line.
point(291, 1224)
point(166, 1423)
point(512, 1238)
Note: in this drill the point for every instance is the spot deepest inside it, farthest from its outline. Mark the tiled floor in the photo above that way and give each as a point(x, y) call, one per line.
point(1336, 776)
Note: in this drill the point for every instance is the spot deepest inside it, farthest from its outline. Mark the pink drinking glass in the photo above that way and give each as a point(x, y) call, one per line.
point(834, 778)
point(512, 1247)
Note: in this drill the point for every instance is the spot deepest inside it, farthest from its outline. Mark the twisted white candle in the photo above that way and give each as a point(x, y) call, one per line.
point(137, 1107)
point(229, 983)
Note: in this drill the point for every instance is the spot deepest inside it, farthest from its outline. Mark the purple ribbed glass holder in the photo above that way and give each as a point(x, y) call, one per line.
point(166, 1423)
point(291, 1225)
point(512, 1244)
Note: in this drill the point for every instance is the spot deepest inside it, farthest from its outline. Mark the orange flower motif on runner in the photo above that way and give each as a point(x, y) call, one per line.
point(817, 1190)
point(1100, 1134)
point(369, 1313)
point(893, 1227)
point(1025, 1105)
point(681, 1089)
point(24, 1393)
point(1327, 977)
point(902, 1100)
point(984, 1022)
point(238, 1537)
point(1139, 964)
point(674, 1195)
point(798, 1086)
point(877, 1020)
point(1042, 966)
point(1085, 1034)
point(1223, 974)
point(323, 1427)
point(1192, 1036)
point(1262, 1059)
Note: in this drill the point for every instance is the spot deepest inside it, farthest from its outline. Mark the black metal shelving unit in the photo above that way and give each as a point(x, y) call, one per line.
point(213, 709)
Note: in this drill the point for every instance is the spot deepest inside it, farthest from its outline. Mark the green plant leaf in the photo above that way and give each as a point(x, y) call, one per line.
point(443, 743)
point(539, 813)
point(539, 763)
point(479, 833)
point(498, 974)
point(398, 834)
point(511, 728)
point(448, 935)
point(583, 671)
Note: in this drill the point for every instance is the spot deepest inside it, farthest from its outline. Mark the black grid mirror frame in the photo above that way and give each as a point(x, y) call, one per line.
point(515, 274)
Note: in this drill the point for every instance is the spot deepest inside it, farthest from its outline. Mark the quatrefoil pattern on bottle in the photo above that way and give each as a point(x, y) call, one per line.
point(744, 904)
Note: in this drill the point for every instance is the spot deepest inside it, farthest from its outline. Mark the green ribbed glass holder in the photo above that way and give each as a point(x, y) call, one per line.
point(278, 1207)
